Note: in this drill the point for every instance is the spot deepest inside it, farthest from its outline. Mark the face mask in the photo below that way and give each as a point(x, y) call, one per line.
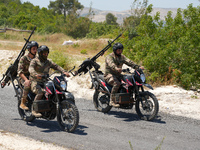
point(43, 57)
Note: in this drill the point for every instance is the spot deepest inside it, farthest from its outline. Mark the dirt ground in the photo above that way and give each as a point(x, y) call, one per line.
point(172, 99)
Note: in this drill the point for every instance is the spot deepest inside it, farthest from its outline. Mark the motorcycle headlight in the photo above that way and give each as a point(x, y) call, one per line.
point(63, 85)
point(143, 78)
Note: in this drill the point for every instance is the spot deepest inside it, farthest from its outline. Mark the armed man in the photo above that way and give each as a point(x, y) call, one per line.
point(113, 69)
point(38, 68)
point(24, 73)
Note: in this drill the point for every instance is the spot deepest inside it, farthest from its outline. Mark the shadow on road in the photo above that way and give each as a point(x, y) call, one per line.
point(132, 117)
point(80, 130)
point(52, 126)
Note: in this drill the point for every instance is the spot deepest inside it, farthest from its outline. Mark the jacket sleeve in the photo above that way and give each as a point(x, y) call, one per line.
point(31, 69)
point(110, 63)
point(20, 66)
point(56, 67)
point(130, 63)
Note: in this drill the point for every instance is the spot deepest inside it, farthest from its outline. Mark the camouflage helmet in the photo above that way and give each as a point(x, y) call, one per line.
point(31, 44)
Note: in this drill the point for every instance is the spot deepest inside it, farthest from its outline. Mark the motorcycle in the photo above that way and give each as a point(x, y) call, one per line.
point(57, 103)
point(131, 92)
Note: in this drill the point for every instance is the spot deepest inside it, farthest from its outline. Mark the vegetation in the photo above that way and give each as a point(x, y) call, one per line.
point(111, 19)
point(169, 49)
point(65, 6)
point(57, 57)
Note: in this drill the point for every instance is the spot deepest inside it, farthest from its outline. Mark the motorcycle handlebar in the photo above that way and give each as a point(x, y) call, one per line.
point(70, 71)
point(45, 76)
point(128, 70)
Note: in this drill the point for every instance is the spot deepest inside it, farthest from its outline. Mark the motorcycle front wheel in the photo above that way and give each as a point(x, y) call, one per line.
point(68, 116)
point(147, 106)
point(101, 102)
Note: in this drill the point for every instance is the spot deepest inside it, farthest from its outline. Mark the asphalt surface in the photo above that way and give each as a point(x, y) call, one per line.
point(118, 130)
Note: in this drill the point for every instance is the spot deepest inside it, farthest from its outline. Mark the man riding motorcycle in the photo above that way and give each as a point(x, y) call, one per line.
point(24, 73)
point(39, 67)
point(113, 69)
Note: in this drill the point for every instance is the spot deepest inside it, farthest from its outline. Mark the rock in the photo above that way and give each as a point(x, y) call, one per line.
point(68, 42)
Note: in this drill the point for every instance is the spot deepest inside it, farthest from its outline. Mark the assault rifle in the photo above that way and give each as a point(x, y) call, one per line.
point(11, 72)
point(88, 63)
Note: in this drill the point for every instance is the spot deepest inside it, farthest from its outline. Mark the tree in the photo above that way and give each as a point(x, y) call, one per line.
point(169, 49)
point(8, 1)
point(138, 9)
point(111, 19)
point(77, 27)
point(65, 6)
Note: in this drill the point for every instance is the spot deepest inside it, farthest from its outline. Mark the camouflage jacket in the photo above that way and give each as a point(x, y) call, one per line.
point(112, 62)
point(38, 67)
point(24, 65)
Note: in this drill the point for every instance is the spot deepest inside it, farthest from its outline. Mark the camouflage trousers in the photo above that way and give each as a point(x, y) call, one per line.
point(26, 89)
point(114, 81)
point(37, 88)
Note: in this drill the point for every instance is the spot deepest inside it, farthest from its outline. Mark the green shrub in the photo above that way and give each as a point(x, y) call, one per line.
point(173, 44)
point(58, 58)
point(75, 45)
point(84, 51)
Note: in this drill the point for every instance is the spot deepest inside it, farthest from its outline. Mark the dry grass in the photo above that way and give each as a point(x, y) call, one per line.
point(11, 40)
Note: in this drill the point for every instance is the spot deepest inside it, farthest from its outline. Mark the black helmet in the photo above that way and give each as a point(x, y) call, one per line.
point(31, 44)
point(40, 50)
point(117, 46)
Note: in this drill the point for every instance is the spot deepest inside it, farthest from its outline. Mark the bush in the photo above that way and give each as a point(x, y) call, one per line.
point(84, 51)
point(171, 46)
point(58, 58)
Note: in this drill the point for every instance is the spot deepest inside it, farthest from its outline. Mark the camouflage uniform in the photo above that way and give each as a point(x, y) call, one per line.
point(23, 68)
point(38, 67)
point(111, 74)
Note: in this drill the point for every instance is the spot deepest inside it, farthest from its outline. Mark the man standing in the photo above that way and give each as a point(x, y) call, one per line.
point(24, 73)
point(39, 67)
point(113, 69)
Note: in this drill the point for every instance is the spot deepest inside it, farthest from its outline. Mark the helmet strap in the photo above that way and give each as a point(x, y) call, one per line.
point(31, 53)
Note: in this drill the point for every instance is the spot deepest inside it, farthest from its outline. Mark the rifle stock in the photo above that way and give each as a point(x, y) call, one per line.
point(88, 63)
point(11, 72)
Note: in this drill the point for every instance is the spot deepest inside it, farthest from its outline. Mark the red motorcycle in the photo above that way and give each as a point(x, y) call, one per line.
point(131, 92)
point(57, 102)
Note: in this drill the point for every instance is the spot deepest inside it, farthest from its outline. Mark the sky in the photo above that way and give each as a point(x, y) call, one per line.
point(121, 5)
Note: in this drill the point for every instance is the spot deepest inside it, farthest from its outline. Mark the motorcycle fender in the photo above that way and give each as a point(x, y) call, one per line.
point(69, 100)
point(69, 96)
point(148, 85)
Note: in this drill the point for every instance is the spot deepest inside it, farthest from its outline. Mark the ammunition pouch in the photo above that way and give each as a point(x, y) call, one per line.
point(41, 105)
point(123, 98)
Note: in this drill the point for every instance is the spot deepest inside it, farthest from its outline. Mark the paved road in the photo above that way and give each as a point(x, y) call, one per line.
point(98, 131)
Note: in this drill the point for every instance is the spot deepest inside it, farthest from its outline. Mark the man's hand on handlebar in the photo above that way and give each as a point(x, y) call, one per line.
point(67, 74)
point(142, 67)
point(39, 76)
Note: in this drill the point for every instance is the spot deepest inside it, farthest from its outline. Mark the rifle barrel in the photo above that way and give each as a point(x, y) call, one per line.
point(11, 72)
point(105, 49)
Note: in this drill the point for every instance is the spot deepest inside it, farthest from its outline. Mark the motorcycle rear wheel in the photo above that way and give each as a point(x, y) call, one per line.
point(24, 114)
point(147, 106)
point(68, 116)
point(101, 102)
